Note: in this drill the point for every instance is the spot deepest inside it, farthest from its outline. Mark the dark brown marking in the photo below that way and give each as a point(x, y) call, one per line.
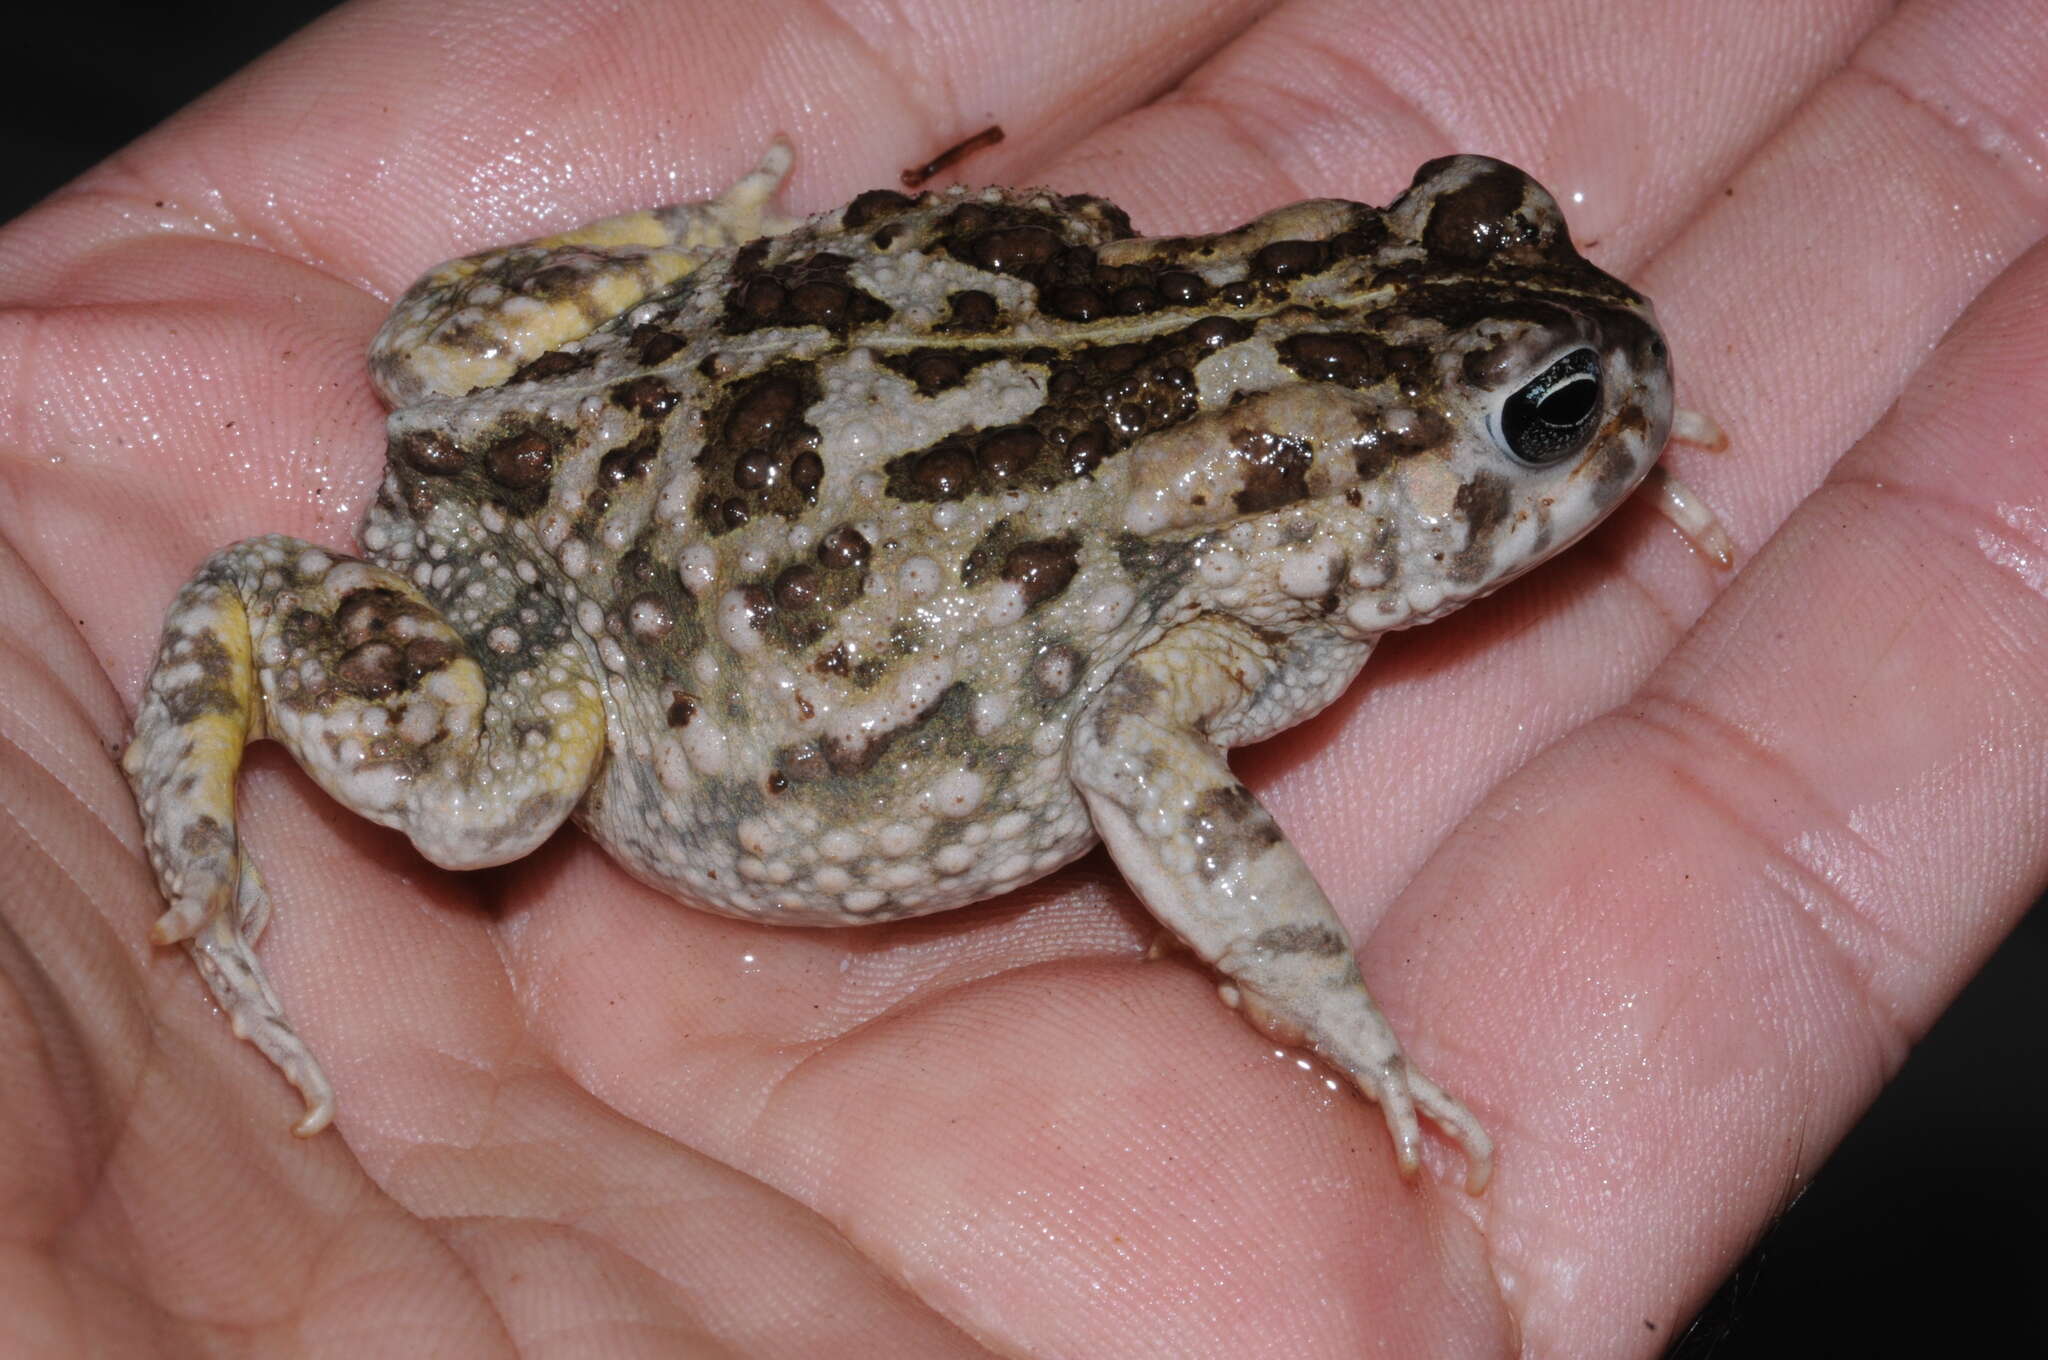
point(426, 655)
point(1485, 503)
point(937, 370)
point(1020, 250)
point(1275, 471)
point(858, 753)
point(971, 312)
point(1073, 302)
point(873, 206)
point(521, 462)
point(630, 461)
point(428, 451)
point(1354, 359)
point(558, 363)
point(843, 547)
point(807, 290)
point(1319, 940)
point(372, 670)
point(796, 588)
point(1228, 828)
point(1131, 692)
point(1042, 568)
point(1377, 449)
point(1288, 259)
point(1485, 220)
point(653, 346)
point(1214, 332)
point(1006, 454)
point(761, 456)
point(647, 395)
point(209, 694)
point(946, 473)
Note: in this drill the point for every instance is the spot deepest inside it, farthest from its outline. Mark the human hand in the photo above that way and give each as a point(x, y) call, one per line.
point(1656, 869)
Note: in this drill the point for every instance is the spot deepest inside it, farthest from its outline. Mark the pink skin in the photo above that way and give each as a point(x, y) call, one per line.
point(1659, 868)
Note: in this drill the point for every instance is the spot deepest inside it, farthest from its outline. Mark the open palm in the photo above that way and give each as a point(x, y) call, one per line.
point(1659, 869)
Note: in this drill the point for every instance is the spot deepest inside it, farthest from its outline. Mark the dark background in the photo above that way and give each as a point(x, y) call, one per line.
point(1923, 1233)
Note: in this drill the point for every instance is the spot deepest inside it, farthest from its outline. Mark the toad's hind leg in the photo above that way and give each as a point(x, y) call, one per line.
point(476, 321)
point(364, 681)
point(1214, 868)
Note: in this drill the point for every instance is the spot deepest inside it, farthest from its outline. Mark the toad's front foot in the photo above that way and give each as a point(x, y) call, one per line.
point(1215, 869)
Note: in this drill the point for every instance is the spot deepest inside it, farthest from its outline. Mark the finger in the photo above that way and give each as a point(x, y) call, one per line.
point(390, 136)
point(1333, 97)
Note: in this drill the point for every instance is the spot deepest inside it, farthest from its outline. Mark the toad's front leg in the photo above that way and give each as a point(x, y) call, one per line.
point(363, 679)
point(1214, 868)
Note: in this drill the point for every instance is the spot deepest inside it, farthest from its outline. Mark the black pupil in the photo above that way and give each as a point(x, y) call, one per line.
point(1551, 417)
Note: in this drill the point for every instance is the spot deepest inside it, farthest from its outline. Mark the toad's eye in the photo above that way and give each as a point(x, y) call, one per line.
point(1554, 413)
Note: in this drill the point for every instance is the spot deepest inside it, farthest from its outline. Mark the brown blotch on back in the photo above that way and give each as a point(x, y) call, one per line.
point(521, 462)
point(843, 547)
point(428, 451)
point(810, 290)
point(1288, 259)
point(1482, 220)
point(1355, 359)
point(873, 206)
point(648, 395)
point(971, 311)
point(1100, 399)
point(1042, 568)
point(1378, 448)
point(653, 346)
point(761, 456)
point(631, 460)
point(559, 363)
point(937, 370)
point(1275, 471)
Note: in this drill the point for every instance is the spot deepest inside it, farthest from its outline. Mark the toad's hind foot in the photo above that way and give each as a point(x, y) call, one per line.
point(475, 321)
point(363, 679)
point(222, 952)
point(198, 712)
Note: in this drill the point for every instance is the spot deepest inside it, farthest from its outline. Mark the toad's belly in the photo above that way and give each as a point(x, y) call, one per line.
point(902, 839)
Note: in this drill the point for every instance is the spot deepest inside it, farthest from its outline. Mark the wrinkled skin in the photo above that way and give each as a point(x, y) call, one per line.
point(1625, 863)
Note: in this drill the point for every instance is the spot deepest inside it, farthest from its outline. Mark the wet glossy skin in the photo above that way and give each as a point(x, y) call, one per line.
point(877, 564)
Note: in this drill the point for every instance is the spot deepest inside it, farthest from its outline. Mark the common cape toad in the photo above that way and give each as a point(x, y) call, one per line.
point(862, 567)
